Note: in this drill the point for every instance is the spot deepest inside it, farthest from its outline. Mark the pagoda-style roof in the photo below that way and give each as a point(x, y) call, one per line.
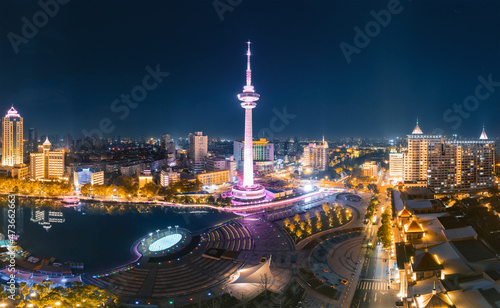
point(404, 213)
point(426, 262)
point(483, 135)
point(438, 300)
point(413, 227)
point(12, 113)
point(417, 130)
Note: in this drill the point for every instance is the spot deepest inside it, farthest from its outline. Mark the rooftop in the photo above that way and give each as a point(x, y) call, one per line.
point(422, 204)
point(12, 113)
point(459, 233)
point(414, 226)
point(404, 213)
point(473, 250)
point(426, 261)
point(404, 251)
point(450, 222)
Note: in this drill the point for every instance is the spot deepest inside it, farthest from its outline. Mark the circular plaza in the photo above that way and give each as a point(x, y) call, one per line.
point(164, 242)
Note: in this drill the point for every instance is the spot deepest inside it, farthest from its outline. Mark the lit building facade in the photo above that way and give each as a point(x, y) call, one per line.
point(144, 179)
point(396, 167)
point(416, 157)
point(12, 138)
point(214, 178)
point(449, 165)
point(46, 164)
point(87, 176)
point(370, 169)
point(167, 177)
point(198, 150)
point(213, 164)
point(315, 156)
point(263, 155)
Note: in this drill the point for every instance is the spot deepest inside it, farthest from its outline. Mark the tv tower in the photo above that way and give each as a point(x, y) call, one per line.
point(248, 101)
point(248, 191)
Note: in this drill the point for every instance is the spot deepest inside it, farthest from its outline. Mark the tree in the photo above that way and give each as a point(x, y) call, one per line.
point(211, 199)
point(318, 214)
point(292, 227)
point(286, 221)
point(77, 295)
point(149, 189)
point(299, 233)
point(302, 224)
point(267, 281)
point(348, 214)
point(319, 224)
point(330, 220)
point(309, 229)
point(296, 218)
point(326, 208)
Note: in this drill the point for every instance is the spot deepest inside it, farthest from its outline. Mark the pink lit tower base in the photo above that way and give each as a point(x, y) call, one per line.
point(248, 192)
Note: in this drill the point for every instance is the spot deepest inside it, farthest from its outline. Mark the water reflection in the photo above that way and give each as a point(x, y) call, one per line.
point(100, 235)
point(46, 218)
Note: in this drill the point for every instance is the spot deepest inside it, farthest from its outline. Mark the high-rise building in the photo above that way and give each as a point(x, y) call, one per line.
point(449, 165)
point(262, 151)
point(396, 167)
point(46, 164)
point(12, 138)
point(32, 141)
point(198, 150)
point(164, 140)
point(248, 191)
point(315, 156)
point(416, 158)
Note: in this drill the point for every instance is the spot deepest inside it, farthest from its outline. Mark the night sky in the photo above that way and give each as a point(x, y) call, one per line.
point(425, 60)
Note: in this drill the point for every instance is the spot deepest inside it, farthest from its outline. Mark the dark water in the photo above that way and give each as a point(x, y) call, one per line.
point(98, 235)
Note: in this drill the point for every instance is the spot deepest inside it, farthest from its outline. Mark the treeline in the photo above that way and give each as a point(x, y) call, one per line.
point(25, 187)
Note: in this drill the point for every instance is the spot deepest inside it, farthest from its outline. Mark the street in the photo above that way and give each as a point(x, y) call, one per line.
point(374, 287)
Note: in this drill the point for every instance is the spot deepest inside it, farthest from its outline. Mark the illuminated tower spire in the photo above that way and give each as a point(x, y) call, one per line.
point(248, 99)
point(483, 135)
point(249, 71)
point(246, 191)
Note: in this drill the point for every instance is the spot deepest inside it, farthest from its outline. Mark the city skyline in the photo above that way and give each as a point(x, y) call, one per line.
point(397, 76)
point(157, 136)
point(358, 167)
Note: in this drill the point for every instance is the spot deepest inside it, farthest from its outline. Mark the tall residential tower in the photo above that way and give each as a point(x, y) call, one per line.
point(12, 128)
